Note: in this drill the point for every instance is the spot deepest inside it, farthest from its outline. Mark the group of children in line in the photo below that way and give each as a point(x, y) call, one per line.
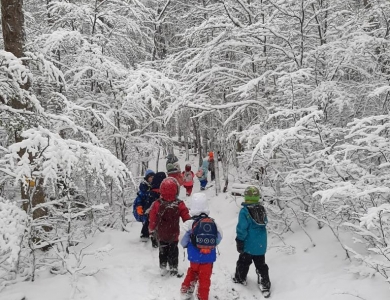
point(162, 210)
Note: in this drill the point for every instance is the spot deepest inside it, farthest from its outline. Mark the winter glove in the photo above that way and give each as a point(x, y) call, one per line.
point(240, 246)
point(140, 210)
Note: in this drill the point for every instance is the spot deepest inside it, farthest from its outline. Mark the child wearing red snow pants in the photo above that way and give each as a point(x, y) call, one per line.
point(188, 177)
point(200, 273)
point(201, 261)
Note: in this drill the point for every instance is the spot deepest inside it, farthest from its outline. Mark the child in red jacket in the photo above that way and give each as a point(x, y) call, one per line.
point(164, 218)
point(188, 177)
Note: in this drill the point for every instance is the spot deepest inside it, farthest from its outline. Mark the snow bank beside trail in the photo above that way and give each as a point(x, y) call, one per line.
point(130, 271)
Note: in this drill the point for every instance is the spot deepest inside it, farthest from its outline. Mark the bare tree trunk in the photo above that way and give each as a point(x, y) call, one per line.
point(13, 26)
point(12, 18)
point(198, 142)
point(158, 158)
point(217, 180)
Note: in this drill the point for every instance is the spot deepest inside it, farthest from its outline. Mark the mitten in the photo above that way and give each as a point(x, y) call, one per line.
point(240, 246)
point(140, 210)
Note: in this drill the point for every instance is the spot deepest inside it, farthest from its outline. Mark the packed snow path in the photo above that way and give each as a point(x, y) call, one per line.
point(130, 271)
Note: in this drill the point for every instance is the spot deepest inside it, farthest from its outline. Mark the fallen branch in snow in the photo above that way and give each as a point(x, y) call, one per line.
point(346, 293)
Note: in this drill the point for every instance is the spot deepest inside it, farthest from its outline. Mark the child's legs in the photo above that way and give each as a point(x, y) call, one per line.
point(203, 183)
point(189, 190)
point(189, 282)
point(145, 229)
point(205, 271)
point(173, 255)
point(261, 266)
point(242, 267)
point(163, 251)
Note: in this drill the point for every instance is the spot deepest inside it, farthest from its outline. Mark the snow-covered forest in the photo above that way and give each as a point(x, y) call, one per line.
point(293, 96)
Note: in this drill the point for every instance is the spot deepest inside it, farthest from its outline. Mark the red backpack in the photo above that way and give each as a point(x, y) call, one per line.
point(168, 218)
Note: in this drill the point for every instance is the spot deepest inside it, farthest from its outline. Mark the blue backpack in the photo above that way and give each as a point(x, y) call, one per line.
point(204, 233)
point(137, 202)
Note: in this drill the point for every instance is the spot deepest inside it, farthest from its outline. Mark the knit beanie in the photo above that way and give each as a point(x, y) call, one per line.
point(171, 167)
point(199, 204)
point(252, 194)
point(148, 174)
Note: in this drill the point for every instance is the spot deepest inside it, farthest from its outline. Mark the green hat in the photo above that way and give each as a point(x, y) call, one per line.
point(252, 194)
point(171, 167)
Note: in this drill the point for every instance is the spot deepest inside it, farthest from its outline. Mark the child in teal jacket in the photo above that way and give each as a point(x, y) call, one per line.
point(251, 239)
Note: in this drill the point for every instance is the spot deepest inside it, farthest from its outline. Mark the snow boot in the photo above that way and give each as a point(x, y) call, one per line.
point(154, 242)
point(236, 280)
point(186, 296)
point(163, 270)
point(265, 288)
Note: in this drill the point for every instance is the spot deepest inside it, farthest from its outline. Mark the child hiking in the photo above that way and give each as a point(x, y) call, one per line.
point(174, 172)
point(188, 178)
point(212, 165)
point(164, 218)
point(251, 240)
point(172, 159)
point(141, 204)
point(154, 194)
point(202, 174)
point(201, 236)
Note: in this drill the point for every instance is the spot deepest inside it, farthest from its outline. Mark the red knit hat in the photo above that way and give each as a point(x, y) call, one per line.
point(169, 189)
point(211, 154)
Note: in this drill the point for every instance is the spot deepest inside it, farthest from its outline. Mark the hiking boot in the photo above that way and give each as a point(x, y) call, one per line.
point(154, 242)
point(173, 271)
point(186, 296)
point(144, 239)
point(265, 285)
point(163, 270)
point(236, 280)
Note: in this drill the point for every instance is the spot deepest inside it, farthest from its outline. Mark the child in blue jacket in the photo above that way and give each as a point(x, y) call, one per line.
point(202, 174)
point(141, 203)
point(251, 239)
point(201, 262)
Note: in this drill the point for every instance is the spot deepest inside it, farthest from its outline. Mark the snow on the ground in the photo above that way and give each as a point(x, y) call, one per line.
point(130, 271)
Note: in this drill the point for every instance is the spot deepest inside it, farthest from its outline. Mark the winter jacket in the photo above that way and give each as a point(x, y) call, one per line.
point(194, 254)
point(251, 228)
point(154, 193)
point(177, 175)
point(142, 200)
point(211, 165)
point(204, 167)
point(190, 182)
point(164, 219)
point(144, 188)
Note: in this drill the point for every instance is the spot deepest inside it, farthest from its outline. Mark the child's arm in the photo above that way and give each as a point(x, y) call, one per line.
point(242, 225)
point(153, 216)
point(185, 239)
point(187, 227)
point(184, 212)
point(219, 235)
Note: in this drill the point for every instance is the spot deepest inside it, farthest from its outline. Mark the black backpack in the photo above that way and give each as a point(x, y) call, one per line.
point(204, 233)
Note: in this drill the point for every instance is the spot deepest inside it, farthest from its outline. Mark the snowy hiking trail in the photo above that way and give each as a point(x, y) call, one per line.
point(130, 271)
